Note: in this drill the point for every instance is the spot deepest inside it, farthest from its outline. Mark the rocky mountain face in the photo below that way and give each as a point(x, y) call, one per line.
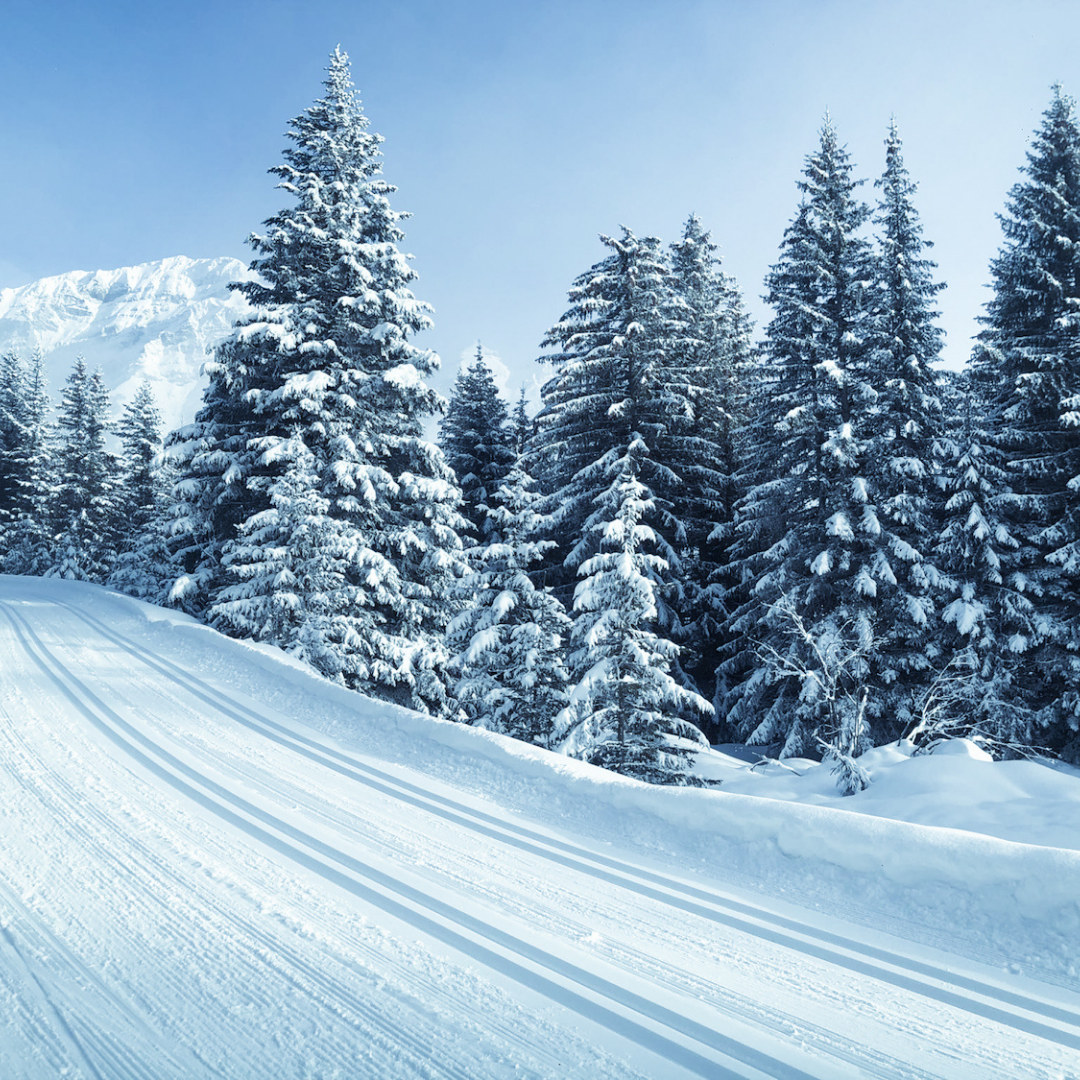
point(156, 322)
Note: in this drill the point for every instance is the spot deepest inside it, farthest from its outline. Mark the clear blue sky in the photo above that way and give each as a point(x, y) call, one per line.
point(517, 131)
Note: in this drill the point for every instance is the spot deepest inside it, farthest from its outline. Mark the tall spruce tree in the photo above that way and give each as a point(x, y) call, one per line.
point(143, 566)
point(608, 356)
point(24, 546)
point(325, 357)
point(476, 440)
point(904, 446)
point(707, 359)
point(12, 425)
point(808, 529)
point(626, 711)
point(83, 512)
point(987, 623)
point(1028, 356)
point(510, 639)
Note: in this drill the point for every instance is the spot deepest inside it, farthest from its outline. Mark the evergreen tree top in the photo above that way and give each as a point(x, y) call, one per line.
point(829, 187)
point(1031, 340)
point(1037, 273)
point(331, 273)
point(909, 330)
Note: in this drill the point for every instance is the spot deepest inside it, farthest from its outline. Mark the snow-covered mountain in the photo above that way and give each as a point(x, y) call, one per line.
point(154, 321)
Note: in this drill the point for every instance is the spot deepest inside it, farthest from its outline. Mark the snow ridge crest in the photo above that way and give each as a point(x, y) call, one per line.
point(155, 321)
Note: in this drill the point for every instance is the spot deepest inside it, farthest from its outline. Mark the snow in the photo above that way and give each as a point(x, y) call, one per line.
point(957, 786)
point(155, 321)
point(215, 864)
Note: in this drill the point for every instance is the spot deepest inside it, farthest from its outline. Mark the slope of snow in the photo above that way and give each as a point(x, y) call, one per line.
point(155, 321)
point(212, 863)
point(958, 786)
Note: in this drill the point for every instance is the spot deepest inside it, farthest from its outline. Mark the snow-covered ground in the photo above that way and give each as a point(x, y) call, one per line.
point(213, 864)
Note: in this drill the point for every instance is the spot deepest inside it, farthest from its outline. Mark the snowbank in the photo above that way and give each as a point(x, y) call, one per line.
point(953, 849)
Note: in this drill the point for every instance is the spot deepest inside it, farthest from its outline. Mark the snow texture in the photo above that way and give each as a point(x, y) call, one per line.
point(215, 863)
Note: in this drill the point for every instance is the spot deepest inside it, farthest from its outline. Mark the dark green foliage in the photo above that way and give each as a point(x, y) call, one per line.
point(476, 440)
point(1027, 362)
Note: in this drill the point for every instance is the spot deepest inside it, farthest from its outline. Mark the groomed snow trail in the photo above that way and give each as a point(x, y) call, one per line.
point(194, 883)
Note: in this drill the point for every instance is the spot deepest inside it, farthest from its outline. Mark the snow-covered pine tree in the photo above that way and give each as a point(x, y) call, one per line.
point(902, 461)
point(612, 381)
point(11, 430)
point(626, 711)
point(143, 566)
point(476, 440)
point(706, 362)
point(606, 384)
point(807, 531)
point(326, 356)
point(139, 430)
point(510, 640)
point(24, 547)
point(987, 622)
point(82, 512)
point(210, 499)
point(292, 575)
point(1028, 356)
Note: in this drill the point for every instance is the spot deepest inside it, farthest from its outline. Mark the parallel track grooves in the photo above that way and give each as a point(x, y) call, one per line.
point(589, 995)
point(907, 973)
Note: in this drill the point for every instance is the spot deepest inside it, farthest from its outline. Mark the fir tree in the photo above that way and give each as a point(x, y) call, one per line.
point(607, 360)
point(706, 362)
point(28, 463)
point(82, 516)
point(143, 566)
point(293, 572)
point(325, 356)
point(521, 426)
point(626, 711)
point(476, 441)
point(808, 530)
point(987, 623)
point(903, 453)
point(511, 637)
point(12, 424)
point(1028, 356)
point(209, 497)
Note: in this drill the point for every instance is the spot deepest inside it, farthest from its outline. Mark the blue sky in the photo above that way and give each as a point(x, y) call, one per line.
point(518, 131)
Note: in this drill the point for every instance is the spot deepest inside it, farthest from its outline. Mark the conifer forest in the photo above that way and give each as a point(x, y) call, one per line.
point(807, 536)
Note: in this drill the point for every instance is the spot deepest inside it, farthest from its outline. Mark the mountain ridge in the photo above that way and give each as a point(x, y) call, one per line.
point(155, 321)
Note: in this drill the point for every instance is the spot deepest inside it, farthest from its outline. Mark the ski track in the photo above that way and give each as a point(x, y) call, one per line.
point(883, 1065)
point(425, 1056)
point(896, 968)
point(745, 1009)
point(289, 961)
point(690, 1044)
point(654, 1028)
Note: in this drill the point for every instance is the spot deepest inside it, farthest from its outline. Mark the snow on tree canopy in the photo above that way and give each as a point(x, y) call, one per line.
point(324, 366)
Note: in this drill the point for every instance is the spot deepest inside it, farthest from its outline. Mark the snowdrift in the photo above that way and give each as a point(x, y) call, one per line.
point(1009, 903)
